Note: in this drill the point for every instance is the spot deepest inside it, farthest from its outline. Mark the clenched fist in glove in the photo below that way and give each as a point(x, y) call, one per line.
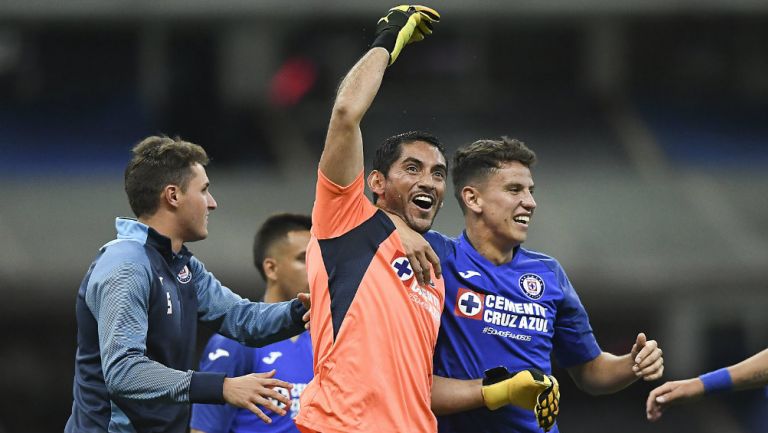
point(528, 389)
point(403, 25)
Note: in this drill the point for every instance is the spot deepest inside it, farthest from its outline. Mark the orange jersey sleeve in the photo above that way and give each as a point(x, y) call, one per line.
point(339, 209)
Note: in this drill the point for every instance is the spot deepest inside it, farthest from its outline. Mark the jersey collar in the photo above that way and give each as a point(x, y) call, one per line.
point(131, 229)
point(470, 249)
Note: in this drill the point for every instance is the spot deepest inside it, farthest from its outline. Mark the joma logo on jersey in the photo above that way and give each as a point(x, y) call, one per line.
point(272, 357)
point(218, 354)
point(469, 304)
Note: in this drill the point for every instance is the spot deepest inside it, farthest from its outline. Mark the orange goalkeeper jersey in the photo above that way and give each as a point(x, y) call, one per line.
point(373, 327)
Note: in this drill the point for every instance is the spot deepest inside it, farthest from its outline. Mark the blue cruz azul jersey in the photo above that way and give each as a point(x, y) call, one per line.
point(515, 315)
point(291, 359)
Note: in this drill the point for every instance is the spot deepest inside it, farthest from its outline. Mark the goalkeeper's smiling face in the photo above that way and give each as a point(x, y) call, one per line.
point(414, 186)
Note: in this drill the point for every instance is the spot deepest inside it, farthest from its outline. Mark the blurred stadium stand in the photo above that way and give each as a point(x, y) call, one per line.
point(650, 119)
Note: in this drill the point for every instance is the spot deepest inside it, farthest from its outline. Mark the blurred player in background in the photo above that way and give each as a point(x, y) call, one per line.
point(139, 304)
point(375, 323)
point(279, 252)
point(511, 307)
point(748, 374)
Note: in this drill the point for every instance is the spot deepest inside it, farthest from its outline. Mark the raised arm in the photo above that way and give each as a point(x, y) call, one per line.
point(342, 158)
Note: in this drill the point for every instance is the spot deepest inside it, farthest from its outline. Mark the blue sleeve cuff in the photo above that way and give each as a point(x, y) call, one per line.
point(207, 388)
point(717, 381)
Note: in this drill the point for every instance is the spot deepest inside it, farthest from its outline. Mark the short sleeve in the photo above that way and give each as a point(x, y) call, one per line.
point(339, 209)
point(574, 343)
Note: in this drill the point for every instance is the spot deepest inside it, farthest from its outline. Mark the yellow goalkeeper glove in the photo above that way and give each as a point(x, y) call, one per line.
point(528, 389)
point(403, 25)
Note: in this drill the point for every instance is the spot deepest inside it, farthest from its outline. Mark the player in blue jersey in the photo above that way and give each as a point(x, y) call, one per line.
point(279, 252)
point(508, 306)
point(141, 300)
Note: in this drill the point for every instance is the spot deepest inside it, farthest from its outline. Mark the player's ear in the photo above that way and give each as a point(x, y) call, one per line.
point(270, 268)
point(171, 195)
point(376, 182)
point(472, 200)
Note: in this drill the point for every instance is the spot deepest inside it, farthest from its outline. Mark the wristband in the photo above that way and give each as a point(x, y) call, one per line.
point(385, 40)
point(717, 381)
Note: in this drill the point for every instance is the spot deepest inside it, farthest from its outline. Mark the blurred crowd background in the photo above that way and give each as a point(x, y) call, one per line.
point(650, 119)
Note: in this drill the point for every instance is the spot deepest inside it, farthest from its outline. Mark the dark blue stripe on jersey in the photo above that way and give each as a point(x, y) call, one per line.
point(346, 260)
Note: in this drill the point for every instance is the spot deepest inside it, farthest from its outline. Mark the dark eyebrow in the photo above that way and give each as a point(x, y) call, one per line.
point(419, 162)
point(412, 159)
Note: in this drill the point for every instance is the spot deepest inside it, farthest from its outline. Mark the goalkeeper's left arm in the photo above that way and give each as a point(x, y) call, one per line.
point(528, 389)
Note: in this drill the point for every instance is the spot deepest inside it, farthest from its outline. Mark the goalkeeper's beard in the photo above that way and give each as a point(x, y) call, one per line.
point(420, 220)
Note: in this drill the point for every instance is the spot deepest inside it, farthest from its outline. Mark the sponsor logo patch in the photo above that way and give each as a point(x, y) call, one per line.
point(532, 285)
point(469, 304)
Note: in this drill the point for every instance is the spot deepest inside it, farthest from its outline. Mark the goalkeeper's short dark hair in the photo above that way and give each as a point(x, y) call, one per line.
point(391, 148)
point(476, 161)
point(273, 230)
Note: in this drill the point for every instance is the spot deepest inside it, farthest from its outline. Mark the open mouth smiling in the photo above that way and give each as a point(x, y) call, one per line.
point(522, 219)
point(423, 201)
